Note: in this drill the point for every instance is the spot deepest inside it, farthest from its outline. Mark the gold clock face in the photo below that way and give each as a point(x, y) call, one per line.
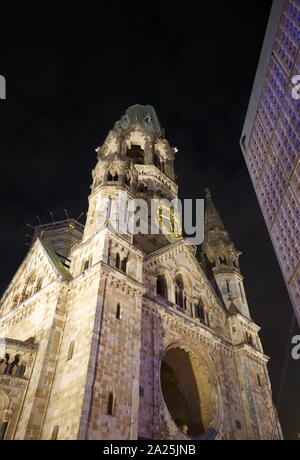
point(169, 222)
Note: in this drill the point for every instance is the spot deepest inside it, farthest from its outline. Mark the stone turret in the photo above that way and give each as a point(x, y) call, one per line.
point(221, 258)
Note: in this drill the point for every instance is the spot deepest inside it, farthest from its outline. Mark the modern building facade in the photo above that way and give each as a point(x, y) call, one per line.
point(270, 139)
point(119, 336)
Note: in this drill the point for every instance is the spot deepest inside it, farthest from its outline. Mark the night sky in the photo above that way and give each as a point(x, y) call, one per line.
point(71, 73)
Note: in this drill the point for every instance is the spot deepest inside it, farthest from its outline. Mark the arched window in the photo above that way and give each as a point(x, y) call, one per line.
point(142, 188)
point(161, 286)
point(86, 265)
point(118, 261)
point(124, 264)
point(241, 291)
point(4, 405)
point(136, 153)
point(249, 339)
point(28, 287)
point(127, 180)
point(54, 433)
point(228, 287)
point(12, 367)
point(71, 351)
point(179, 292)
point(39, 285)
point(15, 301)
point(4, 363)
point(223, 260)
point(199, 312)
point(112, 176)
point(157, 162)
point(118, 311)
point(20, 371)
point(24, 294)
point(110, 404)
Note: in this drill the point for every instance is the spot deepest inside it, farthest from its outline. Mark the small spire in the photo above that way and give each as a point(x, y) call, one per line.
point(212, 219)
point(207, 193)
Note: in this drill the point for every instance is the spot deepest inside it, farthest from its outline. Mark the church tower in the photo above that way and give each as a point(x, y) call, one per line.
point(112, 334)
point(222, 260)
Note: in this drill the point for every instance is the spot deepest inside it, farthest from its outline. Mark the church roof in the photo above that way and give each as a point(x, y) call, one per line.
point(145, 115)
point(55, 260)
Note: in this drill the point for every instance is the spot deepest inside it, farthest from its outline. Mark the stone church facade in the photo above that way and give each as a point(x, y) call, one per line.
point(111, 336)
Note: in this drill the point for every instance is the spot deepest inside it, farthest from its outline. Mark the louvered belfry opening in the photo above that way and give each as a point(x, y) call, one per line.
point(136, 153)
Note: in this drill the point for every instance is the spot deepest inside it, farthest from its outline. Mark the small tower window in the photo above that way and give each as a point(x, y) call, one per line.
point(3, 428)
point(118, 261)
point(179, 292)
point(54, 433)
point(127, 180)
point(141, 392)
point(15, 301)
point(39, 285)
point(71, 351)
point(241, 291)
point(142, 188)
point(28, 288)
point(13, 367)
point(110, 404)
point(124, 264)
point(148, 118)
point(86, 265)
point(157, 161)
point(161, 286)
point(223, 260)
point(199, 312)
point(228, 287)
point(136, 153)
point(207, 322)
point(249, 339)
point(259, 380)
point(118, 311)
point(238, 425)
point(112, 177)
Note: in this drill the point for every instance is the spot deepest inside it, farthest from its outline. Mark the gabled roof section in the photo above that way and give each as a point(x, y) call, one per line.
point(55, 260)
point(33, 263)
point(213, 220)
point(61, 235)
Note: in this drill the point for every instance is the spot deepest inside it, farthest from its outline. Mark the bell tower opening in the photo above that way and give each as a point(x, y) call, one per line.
point(136, 153)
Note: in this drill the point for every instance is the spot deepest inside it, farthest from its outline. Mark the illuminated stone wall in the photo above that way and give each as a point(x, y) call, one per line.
point(92, 334)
